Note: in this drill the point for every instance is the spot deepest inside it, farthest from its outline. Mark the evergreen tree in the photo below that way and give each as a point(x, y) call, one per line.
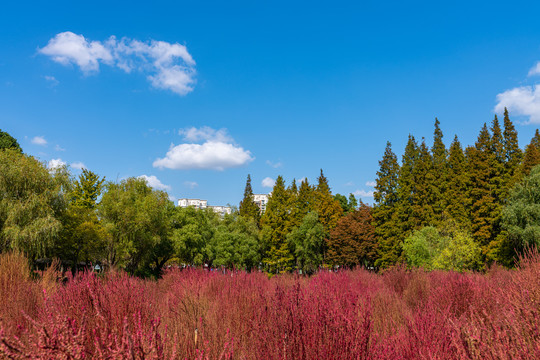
point(407, 208)
point(438, 177)
point(426, 192)
point(326, 206)
point(276, 223)
point(384, 216)
point(485, 209)
point(248, 208)
point(87, 189)
point(305, 202)
point(457, 207)
point(532, 155)
point(512, 152)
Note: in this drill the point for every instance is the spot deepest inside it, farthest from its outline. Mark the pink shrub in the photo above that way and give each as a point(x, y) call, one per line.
point(196, 314)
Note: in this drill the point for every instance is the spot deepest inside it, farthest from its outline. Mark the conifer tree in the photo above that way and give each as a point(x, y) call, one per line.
point(305, 202)
point(248, 208)
point(532, 155)
point(87, 189)
point(457, 207)
point(426, 196)
point(326, 206)
point(438, 177)
point(406, 209)
point(384, 216)
point(484, 207)
point(512, 152)
point(276, 224)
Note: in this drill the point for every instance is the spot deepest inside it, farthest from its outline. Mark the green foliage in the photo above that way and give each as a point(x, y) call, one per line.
point(423, 246)
point(248, 208)
point(31, 203)
point(138, 219)
point(276, 223)
point(9, 142)
point(456, 200)
point(193, 230)
point(307, 243)
point(449, 248)
point(462, 253)
point(384, 215)
point(521, 216)
point(326, 206)
point(87, 189)
point(235, 243)
point(343, 202)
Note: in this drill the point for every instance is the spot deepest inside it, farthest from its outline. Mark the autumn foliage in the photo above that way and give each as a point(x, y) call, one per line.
point(196, 314)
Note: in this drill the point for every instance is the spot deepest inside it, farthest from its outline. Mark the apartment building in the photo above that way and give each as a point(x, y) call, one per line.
point(203, 204)
point(261, 200)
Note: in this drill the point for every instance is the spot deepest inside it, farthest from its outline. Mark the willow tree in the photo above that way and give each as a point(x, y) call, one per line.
point(31, 204)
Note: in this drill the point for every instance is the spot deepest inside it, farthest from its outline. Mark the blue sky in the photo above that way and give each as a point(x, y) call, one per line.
point(196, 95)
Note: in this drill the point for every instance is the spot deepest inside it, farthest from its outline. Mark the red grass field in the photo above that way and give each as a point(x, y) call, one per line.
point(195, 314)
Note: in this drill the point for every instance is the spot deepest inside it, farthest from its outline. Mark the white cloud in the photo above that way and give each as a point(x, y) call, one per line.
point(55, 164)
point(205, 133)
point(154, 182)
point(78, 165)
point(191, 184)
point(39, 140)
point(274, 165)
point(59, 148)
point(218, 152)
point(67, 47)
point(268, 182)
point(524, 100)
point(167, 66)
point(371, 183)
point(210, 155)
point(535, 70)
point(52, 80)
point(363, 193)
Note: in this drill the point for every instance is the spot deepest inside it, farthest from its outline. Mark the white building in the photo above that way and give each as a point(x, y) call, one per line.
point(221, 210)
point(261, 200)
point(203, 204)
point(196, 203)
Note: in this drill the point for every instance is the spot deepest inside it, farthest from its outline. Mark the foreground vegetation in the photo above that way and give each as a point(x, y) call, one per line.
point(197, 314)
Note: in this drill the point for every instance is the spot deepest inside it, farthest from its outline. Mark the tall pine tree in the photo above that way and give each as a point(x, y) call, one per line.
point(248, 208)
point(326, 206)
point(384, 216)
point(276, 223)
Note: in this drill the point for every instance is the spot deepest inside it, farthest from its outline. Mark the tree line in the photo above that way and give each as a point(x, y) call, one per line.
point(438, 208)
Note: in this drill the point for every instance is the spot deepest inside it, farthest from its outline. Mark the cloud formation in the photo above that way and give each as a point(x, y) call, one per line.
point(55, 164)
point(167, 66)
point(191, 184)
point(363, 193)
point(78, 165)
point(268, 182)
point(274, 165)
point(218, 152)
point(39, 140)
point(154, 182)
point(524, 100)
point(535, 70)
point(371, 183)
